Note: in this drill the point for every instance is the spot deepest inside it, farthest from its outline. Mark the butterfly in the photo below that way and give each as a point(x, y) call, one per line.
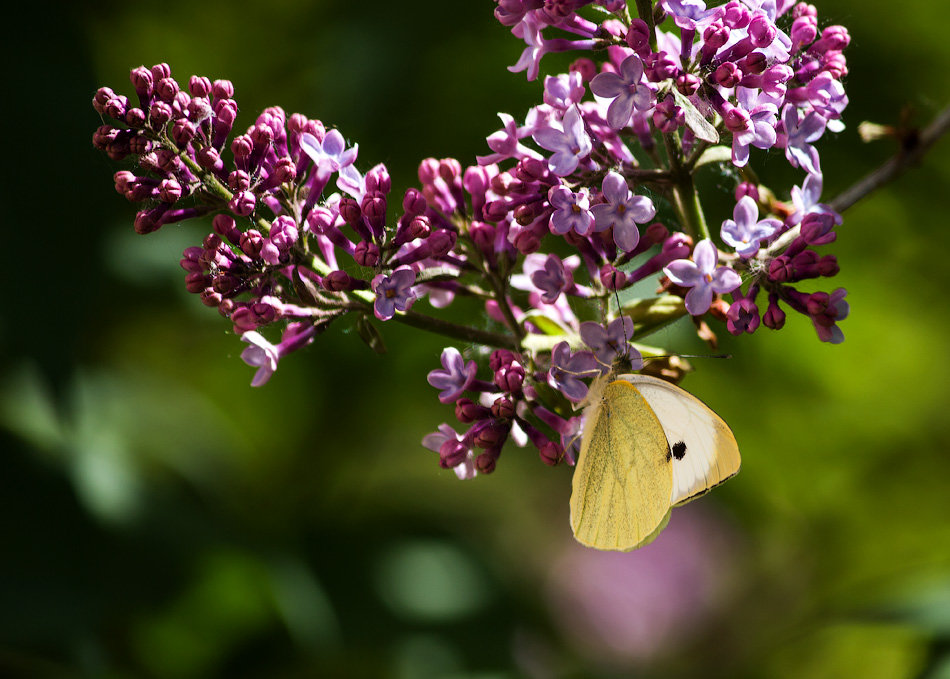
point(647, 446)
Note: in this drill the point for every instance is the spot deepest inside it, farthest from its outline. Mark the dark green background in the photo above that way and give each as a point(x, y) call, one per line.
point(160, 518)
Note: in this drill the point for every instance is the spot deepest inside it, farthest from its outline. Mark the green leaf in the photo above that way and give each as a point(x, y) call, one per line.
point(714, 155)
point(695, 120)
point(649, 315)
point(544, 323)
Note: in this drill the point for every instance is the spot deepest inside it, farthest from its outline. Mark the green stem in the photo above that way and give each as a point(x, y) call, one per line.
point(685, 197)
point(446, 328)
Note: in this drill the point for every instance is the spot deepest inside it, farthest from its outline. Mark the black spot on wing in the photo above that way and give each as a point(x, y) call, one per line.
point(679, 450)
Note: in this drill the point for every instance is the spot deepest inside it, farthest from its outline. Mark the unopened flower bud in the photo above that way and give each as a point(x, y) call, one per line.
point(413, 202)
point(374, 209)
point(199, 86)
point(251, 243)
point(419, 227)
point(183, 131)
point(243, 203)
point(486, 461)
point(727, 75)
point(145, 222)
point(503, 408)
point(452, 453)
point(239, 180)
point(135, 118)
point(222, 89)
point(780, 269)
point(159, 113)
point(169, 191)
point(510, 378)
point(441, 241)
point(167, 89)
point(638, 37)
point(774, 317)
point(586, 67)
point(551, 453)
point(366, 253)
point(526, 242)
point(468, 411)
point(209, 158)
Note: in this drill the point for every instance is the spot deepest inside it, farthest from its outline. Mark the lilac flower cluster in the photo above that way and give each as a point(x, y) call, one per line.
point(594, 193)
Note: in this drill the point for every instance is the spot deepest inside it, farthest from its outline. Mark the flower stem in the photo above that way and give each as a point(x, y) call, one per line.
point(453, 330)
point(685, 197)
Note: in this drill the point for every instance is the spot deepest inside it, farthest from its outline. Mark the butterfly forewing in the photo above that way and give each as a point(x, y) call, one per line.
point(623, 480)
point(703, 449)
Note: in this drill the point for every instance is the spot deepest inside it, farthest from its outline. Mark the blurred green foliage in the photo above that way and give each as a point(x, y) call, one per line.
point(160, 518)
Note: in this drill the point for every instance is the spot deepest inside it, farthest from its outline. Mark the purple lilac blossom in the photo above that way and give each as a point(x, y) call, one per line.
point(455, 377)
point(567, 370)
point(626, 88)
point(607, 343)
point(805, 200)
point(465, 469)
point(702, 276)
point(570, 144)
point(393, 293)
point(264, 356)
point(261, 354)
point(800, 132)
point(505, 143)
point(571, 210)
point(689, 14)
point(552, 280)
point(564, 90)
point(759, 131)
point(622, 211)
point(745, 230)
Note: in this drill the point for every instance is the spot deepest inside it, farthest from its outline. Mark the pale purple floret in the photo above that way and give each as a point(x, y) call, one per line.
point(805, 200)
point(800, 133)
point(330, 155)
point(570, 144)
point(689, 14)
point(622, 211)
point(759, 128)
point(552, 279)
point(627, 89)
point(564, 90)
point(505, 143)
point(824, 95)
point(437, 439)
point(529, 30)
point(393, 293)
point(607, 343)
point(264, 356)
point(261, 354)
point(571, 211)
point(702, 276)
point(745, 230)
point(455, 377)
point(567, 370)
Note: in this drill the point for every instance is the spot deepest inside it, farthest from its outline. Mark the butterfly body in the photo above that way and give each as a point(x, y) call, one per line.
point(647, 446)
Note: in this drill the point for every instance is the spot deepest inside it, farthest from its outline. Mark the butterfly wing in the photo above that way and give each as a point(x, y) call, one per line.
point(623, 480)
point(703, 450)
